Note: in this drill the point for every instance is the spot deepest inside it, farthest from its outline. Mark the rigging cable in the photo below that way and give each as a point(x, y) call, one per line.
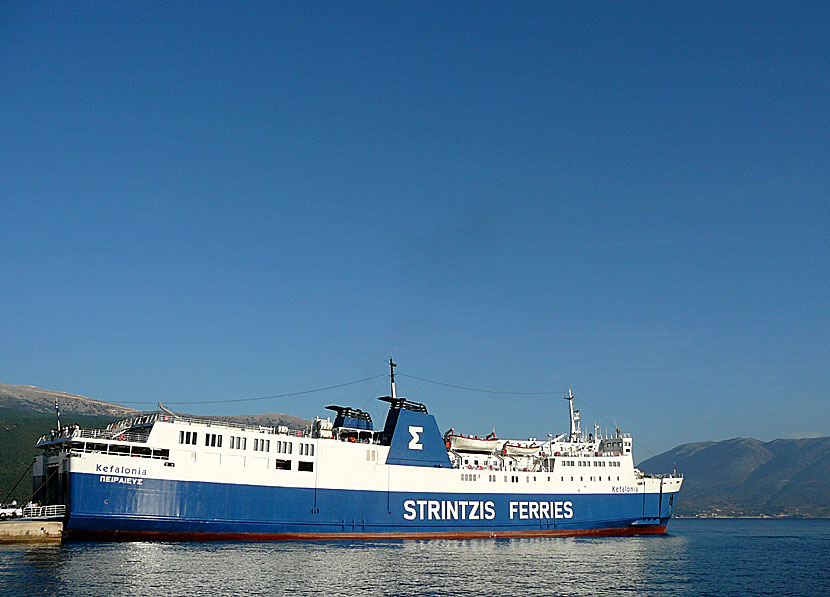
point(504, 393)
point(482, 390)
point(275, 396)
point(423, 379)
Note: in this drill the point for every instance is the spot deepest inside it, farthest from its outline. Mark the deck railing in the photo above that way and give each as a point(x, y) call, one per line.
point(54, 511)
point(70, 433)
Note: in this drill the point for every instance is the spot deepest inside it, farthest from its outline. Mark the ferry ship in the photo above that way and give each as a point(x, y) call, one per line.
point(166, 476)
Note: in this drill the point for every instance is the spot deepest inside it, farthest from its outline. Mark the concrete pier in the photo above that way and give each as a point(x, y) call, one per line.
point(30, 531)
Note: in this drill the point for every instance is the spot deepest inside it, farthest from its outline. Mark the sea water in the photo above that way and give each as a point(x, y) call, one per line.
point(696, 557)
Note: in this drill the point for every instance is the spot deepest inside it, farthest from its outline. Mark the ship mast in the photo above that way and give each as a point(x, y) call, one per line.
point(392, 376)
point(574, 430)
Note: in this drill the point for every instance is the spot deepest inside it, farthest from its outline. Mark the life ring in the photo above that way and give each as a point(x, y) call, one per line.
point(121, 437)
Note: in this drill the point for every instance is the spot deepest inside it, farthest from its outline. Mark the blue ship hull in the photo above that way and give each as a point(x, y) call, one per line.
point(162, 509)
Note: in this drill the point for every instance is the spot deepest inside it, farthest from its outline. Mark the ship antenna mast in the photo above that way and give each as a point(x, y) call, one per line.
point(392, 376)
point(574, 431)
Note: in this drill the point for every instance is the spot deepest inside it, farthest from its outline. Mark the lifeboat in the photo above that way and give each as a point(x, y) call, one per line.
point(517, 449)
point(466, 443)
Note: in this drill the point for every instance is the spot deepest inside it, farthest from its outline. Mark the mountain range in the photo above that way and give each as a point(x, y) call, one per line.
point(734, 477)
point(747, 477)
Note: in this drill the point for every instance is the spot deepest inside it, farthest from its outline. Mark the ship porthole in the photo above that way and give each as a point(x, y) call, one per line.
point(106, 501)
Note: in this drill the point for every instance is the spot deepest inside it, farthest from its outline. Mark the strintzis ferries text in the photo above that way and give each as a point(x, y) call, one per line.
point(168, 476)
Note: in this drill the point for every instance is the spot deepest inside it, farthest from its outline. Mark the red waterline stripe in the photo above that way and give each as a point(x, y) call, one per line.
point(162, 536)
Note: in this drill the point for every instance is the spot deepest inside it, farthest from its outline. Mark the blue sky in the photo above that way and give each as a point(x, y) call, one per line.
point(203, 202)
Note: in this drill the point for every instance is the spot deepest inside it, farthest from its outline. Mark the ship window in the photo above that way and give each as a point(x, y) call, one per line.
point(142, 452)
point(120, 450)
point(262, 445)
point(283, 465)
point(572, 478)
point(161, 453)
point(181, 437)
point(305, 466)
point(96, 447)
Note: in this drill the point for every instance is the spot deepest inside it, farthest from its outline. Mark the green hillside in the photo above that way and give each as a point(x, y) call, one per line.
point(747, 477)
point(19, 431)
